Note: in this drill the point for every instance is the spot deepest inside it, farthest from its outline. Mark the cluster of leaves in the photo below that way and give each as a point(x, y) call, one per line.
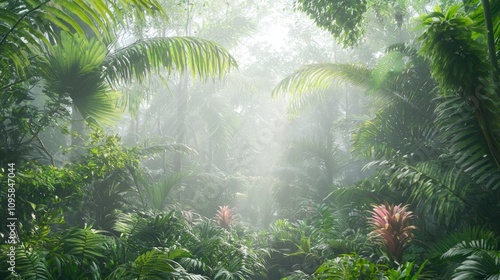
point(471, 253)
point(343, 19)
point(425, 149)
point(348, 267)
point(153, 245)
point(423, 141)
point(331, 244)
point(72, 252)
point(69, 46)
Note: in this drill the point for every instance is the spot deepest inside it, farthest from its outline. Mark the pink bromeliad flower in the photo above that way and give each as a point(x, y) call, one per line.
point(225, 216)
point(392, 227)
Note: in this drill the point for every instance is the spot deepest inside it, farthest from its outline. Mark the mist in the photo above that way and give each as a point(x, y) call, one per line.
point(289, 139)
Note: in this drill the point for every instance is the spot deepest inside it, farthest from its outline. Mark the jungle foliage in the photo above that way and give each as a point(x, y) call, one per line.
point(140, 153)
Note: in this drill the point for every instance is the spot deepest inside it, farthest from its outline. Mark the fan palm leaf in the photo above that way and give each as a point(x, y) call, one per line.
point(82, 70)
point(72, 71)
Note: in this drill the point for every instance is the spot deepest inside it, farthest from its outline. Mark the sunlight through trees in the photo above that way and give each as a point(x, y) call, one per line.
point(290, 139)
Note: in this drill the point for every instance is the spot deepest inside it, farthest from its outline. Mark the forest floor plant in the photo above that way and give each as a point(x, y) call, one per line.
point(392, 227)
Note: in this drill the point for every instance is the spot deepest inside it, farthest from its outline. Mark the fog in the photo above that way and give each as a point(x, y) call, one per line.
point(250, 139)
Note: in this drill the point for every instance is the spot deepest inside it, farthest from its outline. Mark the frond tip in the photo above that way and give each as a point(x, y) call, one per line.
point(319, 77)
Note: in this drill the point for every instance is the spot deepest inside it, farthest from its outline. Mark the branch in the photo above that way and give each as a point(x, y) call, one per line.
point(42, 146)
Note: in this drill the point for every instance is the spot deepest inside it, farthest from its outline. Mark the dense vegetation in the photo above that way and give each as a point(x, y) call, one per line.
point(138, 140)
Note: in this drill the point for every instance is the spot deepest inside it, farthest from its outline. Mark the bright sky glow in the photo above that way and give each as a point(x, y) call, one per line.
point(275, 35)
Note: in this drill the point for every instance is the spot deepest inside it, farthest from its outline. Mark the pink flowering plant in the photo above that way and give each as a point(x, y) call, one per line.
point(391, 226)
point(225, 216)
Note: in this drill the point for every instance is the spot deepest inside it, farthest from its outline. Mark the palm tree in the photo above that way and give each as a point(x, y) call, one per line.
point(84, 71)
point(406, 137)
point(405, 90)
point(469, 92)
point(28, 28)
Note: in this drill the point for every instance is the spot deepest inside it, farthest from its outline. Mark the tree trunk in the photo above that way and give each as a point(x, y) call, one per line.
point(491, 38)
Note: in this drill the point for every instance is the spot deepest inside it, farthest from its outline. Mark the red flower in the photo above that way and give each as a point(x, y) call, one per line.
point(391, 225)
point(225, 216)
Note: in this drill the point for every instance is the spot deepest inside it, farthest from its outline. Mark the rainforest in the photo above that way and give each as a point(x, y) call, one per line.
point(250, 139)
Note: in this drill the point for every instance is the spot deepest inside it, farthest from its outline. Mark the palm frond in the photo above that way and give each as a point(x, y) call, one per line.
point(85, 244)
point(157, 193)
point(72, 71)
point(317, 77)
point(15, 25)
point(466, 248)
point(400, 75)
point(193, 264)
point(30, 265)
point(485, 265)
point(461, 129)
point(470, 254)
point(165, 54)
point(154, 265)
point(133, 225)
point(436, 187)
point(465, 235)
